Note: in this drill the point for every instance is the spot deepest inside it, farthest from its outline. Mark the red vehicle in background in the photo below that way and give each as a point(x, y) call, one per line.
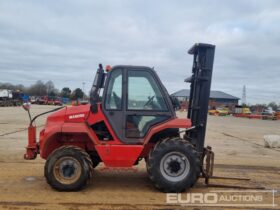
point(57, 102)
point(50, 101)
point(46, 100)
point(43, 100)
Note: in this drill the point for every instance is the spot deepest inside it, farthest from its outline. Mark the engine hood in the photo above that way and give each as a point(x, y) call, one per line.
point(57, 116)
point(77, 113)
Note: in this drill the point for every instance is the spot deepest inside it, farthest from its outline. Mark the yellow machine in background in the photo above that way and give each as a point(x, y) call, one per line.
point(242, 110)
point(220, 111)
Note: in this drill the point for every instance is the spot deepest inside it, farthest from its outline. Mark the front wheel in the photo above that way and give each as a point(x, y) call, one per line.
point(68, 168)
point(173, 165)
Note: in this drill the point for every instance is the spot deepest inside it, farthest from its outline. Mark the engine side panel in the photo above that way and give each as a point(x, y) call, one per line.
point(119, 155)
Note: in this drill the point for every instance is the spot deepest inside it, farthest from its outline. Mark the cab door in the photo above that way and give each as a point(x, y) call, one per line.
point(134, 100)
point(146, 104)
point(113, 101)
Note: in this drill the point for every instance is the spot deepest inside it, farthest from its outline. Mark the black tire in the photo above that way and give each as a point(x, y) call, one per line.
point(95, 159)
point(57, 172)
point(173, 165)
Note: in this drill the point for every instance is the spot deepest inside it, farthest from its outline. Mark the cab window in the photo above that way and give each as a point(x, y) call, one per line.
point(114, 92)
point(143, 92)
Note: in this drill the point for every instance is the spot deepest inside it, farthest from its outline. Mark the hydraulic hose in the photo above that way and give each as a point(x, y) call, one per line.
point(53, 110)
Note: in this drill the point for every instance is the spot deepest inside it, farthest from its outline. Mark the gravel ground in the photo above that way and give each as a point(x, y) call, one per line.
point(237, 143)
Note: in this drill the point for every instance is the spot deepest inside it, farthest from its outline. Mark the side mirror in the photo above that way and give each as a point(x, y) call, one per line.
point(26, 106)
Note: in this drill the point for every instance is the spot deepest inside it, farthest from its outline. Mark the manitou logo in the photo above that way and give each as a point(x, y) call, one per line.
point(75, 116)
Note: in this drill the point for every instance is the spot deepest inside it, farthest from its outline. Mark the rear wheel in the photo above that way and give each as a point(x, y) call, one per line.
point(68, 168)
point(173, 165)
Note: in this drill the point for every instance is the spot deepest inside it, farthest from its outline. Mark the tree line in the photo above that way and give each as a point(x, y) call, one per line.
point(272, 104)
point(42, 89)
point(45, 89)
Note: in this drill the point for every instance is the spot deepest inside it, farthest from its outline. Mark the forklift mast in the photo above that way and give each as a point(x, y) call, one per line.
point(203, 58)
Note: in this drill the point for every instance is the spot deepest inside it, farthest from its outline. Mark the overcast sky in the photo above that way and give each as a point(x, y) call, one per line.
point(64, 41)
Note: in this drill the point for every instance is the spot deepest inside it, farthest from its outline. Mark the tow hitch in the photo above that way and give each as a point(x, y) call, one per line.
point(32, 148)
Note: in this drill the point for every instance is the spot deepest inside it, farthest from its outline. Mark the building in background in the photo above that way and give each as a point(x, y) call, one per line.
point(217, 99)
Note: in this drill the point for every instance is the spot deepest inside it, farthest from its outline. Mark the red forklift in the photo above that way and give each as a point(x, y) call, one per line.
point(134, 119)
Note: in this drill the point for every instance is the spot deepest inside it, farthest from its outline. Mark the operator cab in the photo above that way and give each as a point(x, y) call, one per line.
point(134, 99)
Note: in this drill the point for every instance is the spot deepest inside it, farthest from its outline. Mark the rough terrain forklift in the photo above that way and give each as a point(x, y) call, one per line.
point(133, 119)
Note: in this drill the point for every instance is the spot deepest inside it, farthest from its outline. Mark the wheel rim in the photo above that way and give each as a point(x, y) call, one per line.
point(67, 170)
point(174, 166)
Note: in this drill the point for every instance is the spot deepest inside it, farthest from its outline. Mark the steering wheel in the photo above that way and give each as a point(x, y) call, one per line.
point(117, 100)
point(149, 101)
